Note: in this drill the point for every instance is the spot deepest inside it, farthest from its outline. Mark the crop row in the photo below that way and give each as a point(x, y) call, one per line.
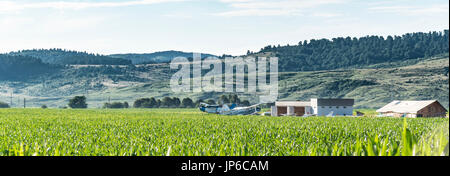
point(49, 132)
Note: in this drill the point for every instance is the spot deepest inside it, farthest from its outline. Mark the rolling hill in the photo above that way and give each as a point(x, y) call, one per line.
point(66, 57)
point(157, 57)
point(20, 68)
point(372, 87)
point(373, 70)
point(338, 53)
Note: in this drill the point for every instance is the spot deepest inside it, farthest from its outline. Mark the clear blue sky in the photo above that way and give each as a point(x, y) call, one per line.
point(208, 26)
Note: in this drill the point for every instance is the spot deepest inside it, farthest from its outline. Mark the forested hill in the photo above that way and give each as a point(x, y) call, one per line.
point(22, 67)
point(157, 57)
point(349, 52)
point(66, 57)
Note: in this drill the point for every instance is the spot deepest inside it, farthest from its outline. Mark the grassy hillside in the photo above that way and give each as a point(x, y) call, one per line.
point(373, 87)
point(157, 57)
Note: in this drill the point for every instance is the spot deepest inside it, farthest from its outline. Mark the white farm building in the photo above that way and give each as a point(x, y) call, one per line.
point(318, 107)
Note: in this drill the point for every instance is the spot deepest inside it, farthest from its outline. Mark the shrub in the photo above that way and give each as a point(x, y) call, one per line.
point(4, 105)
point(78, 102)
point(116, 105)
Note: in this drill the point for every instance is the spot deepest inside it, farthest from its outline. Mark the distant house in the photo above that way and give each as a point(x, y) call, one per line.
point(318, 107)
point(413, 109)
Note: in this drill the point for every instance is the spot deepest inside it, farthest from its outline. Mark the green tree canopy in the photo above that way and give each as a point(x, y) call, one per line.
point(78, 102)
point(187, 103)
point(166, 102)
point(4, 105)
point(116, 105)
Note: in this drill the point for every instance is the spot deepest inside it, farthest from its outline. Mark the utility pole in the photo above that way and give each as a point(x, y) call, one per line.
point(11, 97)
point(24, 103)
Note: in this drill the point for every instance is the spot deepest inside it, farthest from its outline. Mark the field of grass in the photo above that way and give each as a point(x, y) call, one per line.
point(162, 132)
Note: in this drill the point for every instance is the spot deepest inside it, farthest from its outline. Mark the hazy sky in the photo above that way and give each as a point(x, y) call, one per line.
point(208, 26)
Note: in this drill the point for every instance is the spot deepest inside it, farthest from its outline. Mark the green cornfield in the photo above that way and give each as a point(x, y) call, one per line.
point(181, 132)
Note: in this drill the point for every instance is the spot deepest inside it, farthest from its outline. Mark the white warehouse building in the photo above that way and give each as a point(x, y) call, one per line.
point(317, 107)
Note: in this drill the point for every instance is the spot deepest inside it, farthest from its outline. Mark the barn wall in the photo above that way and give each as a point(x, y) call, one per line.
point(281, 110)
point(299, 111)
point(339, 111)
point(433, 110)
point(273, 112)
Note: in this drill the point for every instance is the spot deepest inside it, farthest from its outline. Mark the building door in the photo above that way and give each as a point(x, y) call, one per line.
point(281, 110)
point(299, 111)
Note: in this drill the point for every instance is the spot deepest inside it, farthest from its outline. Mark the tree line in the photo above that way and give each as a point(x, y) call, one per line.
point(4, 105)
point(175, 102)
point(67, 57)
point(349, 52)
point(22, 67)
point(79, 102)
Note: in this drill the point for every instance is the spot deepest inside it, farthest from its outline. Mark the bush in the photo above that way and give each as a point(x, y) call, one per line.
point(245, 103)
point(44, 107)
point(78, 102)
point(166, 102)
point(210, 102)
point(116, 105)
point(4, 105)
point(145, 103)
point(187, 103)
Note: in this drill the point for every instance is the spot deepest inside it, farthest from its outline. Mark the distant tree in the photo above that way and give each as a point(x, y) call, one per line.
point(153, 103)
point(325, 54)
point(4, 105)
point(44, 107)
point(245, 103)
point(23, 67)
point(176, 102)
point(145, 103)
point(106, 105)
point(166, 102)
point(116, 105)
point(158, 103)
point(224, 99)
point(126, 105)
point(64, 57)
point(187, 103)
point(234, 99)
point(211, 102)
point(197, 103)
point(78, 102)
point(139, 103)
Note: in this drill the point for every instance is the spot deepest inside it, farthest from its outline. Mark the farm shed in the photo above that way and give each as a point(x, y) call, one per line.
point(319, 107)
point(413, 109)
point(291, 108)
